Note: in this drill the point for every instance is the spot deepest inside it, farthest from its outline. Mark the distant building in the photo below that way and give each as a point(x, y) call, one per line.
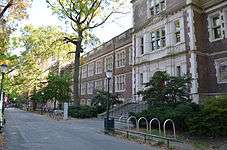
point(115, 55)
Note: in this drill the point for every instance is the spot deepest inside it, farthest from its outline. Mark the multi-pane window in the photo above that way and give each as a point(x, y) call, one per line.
point(98, 67)
point(158, 39)
point(130, 55)
point(109, 63)
point(83, 88)
point(177, 31)
point(90, 69)
point(120, 83)
point(120, 59)
point(84, 71)
point(98, 84)
point(89, 102)
point(223, 71)
point(157, 6)
point(216, 25)
point(178, 71)
point(225, 22)
point(90, 87)
point(110, 84)
point(141, 45)
point(141, 79)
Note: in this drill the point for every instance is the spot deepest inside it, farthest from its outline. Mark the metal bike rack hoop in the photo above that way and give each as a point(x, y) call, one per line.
point(159, 124)
point(131, 117)
point(140, 120)
point(164, 128)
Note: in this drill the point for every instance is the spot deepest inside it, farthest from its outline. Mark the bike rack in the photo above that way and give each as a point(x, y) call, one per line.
point(159, 124)
point(120, 118)
point(164, 127)
point(132, 117)
point(140, 120)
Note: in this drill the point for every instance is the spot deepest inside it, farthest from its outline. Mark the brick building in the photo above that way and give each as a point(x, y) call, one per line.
point(115, 55)
point(181, 37)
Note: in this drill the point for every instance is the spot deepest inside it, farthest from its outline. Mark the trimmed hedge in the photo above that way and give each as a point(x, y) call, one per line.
point(179, 113)
point(209, 119)
point(82, 112)
point(212, 119)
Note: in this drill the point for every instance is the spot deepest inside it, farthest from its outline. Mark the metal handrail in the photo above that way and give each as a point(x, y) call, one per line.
point(145, 135)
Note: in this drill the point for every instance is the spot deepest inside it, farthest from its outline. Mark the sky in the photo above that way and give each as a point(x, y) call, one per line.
point(40, 14)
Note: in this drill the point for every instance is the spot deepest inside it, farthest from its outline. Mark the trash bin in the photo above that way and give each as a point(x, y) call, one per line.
point(109, 124)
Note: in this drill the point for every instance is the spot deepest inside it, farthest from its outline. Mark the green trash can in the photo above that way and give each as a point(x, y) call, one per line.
point(109, 124)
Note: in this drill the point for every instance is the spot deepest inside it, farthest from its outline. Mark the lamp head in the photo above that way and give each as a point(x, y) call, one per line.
point(4, 68)
point(109, 74)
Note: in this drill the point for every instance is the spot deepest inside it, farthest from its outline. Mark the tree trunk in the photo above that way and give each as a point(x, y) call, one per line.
point(76, 84)
point(55, 104)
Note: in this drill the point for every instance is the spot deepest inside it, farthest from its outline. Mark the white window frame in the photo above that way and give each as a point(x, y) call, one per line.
point(211, 27)
point(84, 71)
point(98, 67)
point(91, 69)
point(130, 56)
point(82, 101)
point(97, 86)
point(89, 101)
point(178, 71)
point(141, 80)
point(177, 31)
point(141, 45)
point(158, 39)
point(90, 87)
point(225, 21)
point(154, 4)
point(84, 88)
point(111, 85)
point(108, 64)
point(218, 63)
point(120, 57)
point(120, 80)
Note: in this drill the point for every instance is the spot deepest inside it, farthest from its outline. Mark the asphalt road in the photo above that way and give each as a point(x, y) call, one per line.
point(29, 131)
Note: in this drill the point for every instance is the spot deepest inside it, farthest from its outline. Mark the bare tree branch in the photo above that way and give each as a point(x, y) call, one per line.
point(9, 4)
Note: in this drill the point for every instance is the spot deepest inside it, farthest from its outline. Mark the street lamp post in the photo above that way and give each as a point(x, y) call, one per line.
point(3, 70)
point(42, 102)
point(109, 75)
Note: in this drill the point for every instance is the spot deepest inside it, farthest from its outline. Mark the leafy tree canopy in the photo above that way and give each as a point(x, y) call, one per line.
point(166, 89)
point(43, 47)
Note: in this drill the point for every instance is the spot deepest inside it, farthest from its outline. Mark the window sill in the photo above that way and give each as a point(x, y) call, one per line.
point(222, 82)
point(120, 67)
point(215, 40)
point(119, 91)
point(98, 73)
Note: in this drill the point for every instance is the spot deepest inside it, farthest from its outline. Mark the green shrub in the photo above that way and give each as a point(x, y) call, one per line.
point(178, 113)
point(212, 120)
point(82, 112)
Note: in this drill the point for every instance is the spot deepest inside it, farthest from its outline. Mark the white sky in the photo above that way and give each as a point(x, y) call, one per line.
point(39, 14)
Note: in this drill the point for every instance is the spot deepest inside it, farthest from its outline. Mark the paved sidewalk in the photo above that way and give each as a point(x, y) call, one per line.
point(28, 131)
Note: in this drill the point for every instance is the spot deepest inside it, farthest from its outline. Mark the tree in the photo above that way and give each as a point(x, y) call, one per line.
point(14, 9)
point(166, 89)
point(43, 46)
point(84, 15)
point(58, 88)
point(100, 99)
point(11, 11)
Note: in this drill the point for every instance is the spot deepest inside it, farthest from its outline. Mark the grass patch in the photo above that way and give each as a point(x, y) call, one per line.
point(200, 145)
